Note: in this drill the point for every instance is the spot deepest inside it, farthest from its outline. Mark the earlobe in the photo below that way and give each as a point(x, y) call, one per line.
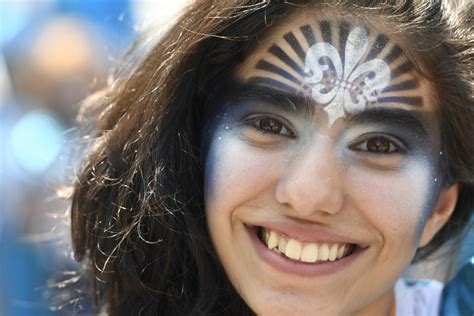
point(442, 212)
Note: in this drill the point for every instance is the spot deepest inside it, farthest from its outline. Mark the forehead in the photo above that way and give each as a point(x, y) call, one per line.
point(329, 60)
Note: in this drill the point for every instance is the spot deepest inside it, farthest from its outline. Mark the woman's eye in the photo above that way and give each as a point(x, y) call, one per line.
point(377, 145)
point(271, 125)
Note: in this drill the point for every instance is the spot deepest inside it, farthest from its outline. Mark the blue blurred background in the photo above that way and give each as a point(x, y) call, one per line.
point(53, 54)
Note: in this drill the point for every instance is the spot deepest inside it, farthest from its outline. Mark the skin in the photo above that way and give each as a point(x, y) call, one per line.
point(275, 155)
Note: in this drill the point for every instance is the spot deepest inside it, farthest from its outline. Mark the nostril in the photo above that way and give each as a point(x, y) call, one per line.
point(319, 194)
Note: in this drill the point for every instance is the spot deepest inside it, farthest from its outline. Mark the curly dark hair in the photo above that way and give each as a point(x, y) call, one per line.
point(138, 219)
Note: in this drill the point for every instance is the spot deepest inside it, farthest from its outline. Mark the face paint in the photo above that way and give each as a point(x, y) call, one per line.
point(285, 183)
point(347, 88)
point(341, 68)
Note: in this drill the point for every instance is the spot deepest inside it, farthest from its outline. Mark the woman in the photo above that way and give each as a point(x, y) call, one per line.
point(278, 159)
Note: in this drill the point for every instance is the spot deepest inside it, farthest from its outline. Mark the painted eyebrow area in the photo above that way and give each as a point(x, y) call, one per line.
point(326, 61)
point(406, 120)
point(412, 122)
point(287, 102)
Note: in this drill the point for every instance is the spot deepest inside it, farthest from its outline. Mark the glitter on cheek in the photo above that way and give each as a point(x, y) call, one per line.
point(220, 146)
point(217, 125)
point(228, 159)
point(218, 171)
point(236, 155)
point(431, 186)
point(417, 192)
point(419, 175)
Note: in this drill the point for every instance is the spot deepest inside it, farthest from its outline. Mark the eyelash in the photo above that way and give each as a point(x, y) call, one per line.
point(387, 144)
point(394, 146)
point(281, 128)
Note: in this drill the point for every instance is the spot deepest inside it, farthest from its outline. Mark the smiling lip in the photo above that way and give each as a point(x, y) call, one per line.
point(286, 265)
point(310, 233)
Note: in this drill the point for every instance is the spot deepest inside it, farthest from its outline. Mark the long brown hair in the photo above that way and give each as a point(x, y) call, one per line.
point(138, 220)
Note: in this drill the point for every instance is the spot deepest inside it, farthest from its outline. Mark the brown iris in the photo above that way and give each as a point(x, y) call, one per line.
point(378, 145)
point(270, 125)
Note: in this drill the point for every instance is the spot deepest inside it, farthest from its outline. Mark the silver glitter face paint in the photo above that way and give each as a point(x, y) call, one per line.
point(342, 68)
point(349, 87)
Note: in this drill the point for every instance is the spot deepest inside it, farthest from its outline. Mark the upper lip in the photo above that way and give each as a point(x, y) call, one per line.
point(311, 232)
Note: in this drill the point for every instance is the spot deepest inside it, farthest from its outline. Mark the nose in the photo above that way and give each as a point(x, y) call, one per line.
point(312, 181)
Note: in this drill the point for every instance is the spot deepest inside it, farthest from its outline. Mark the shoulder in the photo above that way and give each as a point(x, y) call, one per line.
point(421, 297)
point(458, 294)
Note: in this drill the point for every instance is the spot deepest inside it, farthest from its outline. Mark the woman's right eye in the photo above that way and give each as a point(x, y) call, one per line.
point(270, 125)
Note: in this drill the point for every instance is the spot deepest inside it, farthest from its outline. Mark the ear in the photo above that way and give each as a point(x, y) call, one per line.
point(442, 212)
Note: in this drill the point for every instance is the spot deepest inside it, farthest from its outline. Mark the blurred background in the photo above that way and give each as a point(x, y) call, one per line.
point(53, 54)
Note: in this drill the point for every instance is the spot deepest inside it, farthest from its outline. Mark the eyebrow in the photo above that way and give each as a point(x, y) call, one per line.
point(284, 100)
point(413, 121)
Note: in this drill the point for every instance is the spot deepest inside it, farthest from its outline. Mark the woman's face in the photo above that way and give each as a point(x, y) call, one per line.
point(322, 170)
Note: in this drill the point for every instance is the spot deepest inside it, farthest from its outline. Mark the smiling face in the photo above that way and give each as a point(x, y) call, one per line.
point(322, 170)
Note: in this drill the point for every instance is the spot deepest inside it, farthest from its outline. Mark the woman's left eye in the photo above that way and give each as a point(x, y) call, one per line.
point(377, 145)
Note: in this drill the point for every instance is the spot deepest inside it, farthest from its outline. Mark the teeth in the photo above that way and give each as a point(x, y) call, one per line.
point(333, 252)
point(307, 252)
point(310, 253)
point(282, 245)
point(323, 254)
point(348, 250)
point(293, 249)
point(272, 240)
point(341, 251)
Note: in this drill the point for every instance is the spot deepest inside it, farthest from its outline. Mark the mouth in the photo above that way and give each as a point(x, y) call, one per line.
point(308, 253)
point(304, 251)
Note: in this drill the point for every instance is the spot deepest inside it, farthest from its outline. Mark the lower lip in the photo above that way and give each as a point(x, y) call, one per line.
point(283, 264)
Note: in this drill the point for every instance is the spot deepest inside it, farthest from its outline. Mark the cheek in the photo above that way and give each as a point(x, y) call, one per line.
point(234, 173)
point(398, 202)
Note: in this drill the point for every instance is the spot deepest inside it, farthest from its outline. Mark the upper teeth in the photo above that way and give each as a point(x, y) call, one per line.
point(306, 252)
